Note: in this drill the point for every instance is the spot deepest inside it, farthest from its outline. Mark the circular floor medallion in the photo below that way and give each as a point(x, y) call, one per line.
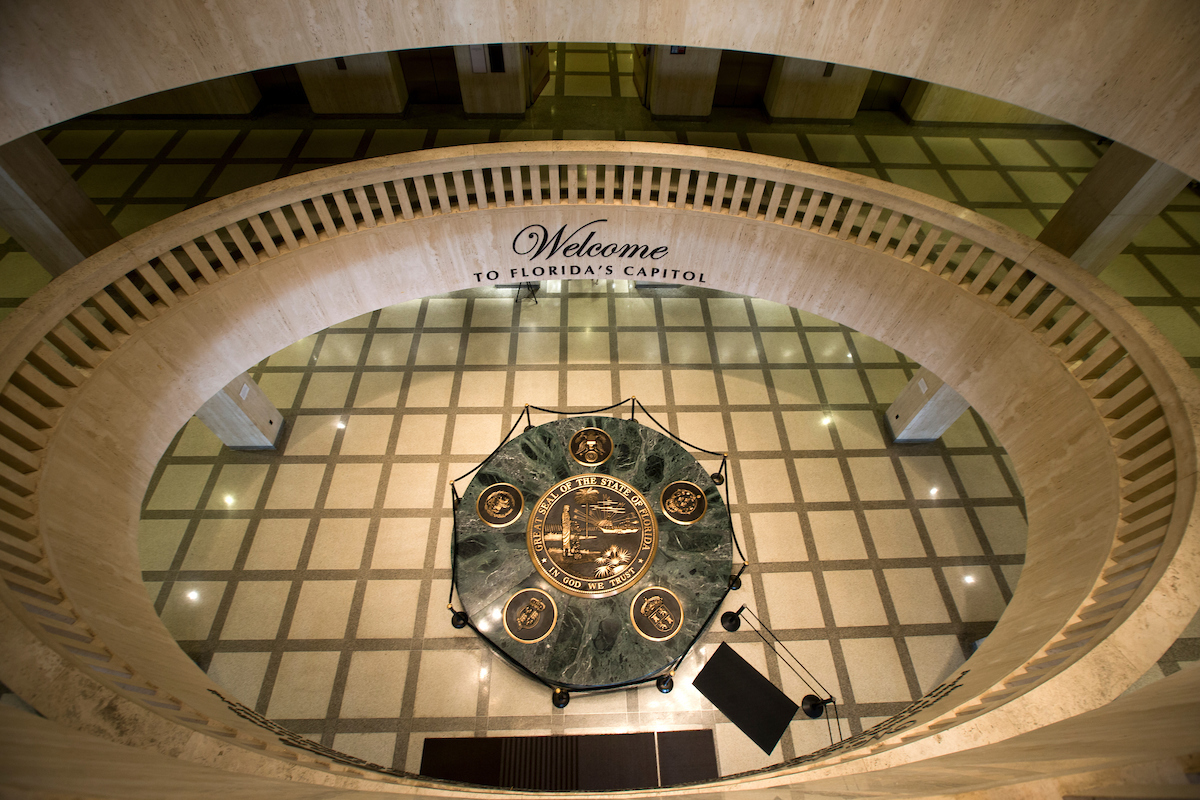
point(591, 446)
point(656, 613)
point(683, 502)
point(500, 505)
point(530, 615)
point(592, 535)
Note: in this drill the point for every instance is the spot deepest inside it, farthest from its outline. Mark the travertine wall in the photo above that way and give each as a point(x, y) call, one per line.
point(1129, 71)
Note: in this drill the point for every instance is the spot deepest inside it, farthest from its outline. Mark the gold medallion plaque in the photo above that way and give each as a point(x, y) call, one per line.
point(591, 447)
point(530, 615)
point(500, 505)
point(592, 535)
point(656, 613)
point(683, 502)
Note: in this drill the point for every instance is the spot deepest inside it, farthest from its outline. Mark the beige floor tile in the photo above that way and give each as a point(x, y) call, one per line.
point(366, 434)
point(782, 347)
point(402, 315)
point(894, 533)
point(755, 430)
point(587, 86)
point(955, 150)
point(875, 479)
point(694, 387)
point(158, 540)
point(477, 434)
point(821, 480)
point(589, 390)
point(438, 349)
point(983, 186)
point(768, 314)
point(492, 312)
point(783, 145)
point(688, 347)
point(281, 388)
point(636, 311)
point(400, 543)
point(645, 384)
point(916, 596)
point(791, 600)
point(437, 616)
point(277, 544)
point(412, 486)
point(975, 593)
point(441, 681)
point(745, 386)
point(312, 435)
point(421, 434)
point(927, 474)
point(842, 386)
point(327, 390)
point(340, 349)
point(765, 480)
point(339, 543)
point(608, 703)
point(256, 610)
point(354, 486)
point(837, 148)
point(886, 384)
point(197, 440)
point(981, 476)
point(634, 347)
point(829, 348)
point(482, 389)
point(682, 312)
point(806, 430)
point(537, 389)
point(704, 429)
point(836, 535)
point(963, 433)
point(794, 386)
point(389, 609)
point(389, 349)
point(537, 348)
point(215, 544)
point(379, 390)
point(588, 312)
point(1043, 187)
point(728, 311)
point(375, 748)
point(1005, 528)
point(1069, 152)
point(737, 753)
point(817, 657)
point(189, 611)
point(951, 532)
point(871, 350)
point(303, 686)
point(445, 312)
point(935, 658)
point(179, 487)
point(375, 685)
point(858, 430)
point(897, 149)
point(736, 348)
point(487, 348)
point(240, 674)
point(854, 598)
point(1014, 152)
point(593, 348)
point(322, 610)
point(1012, 575)
point(875, 671)
point(546, 313)
point(777, 536)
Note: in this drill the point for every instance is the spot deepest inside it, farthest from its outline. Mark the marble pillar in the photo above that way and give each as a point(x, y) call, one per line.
point(242, 416)
point(925, 409)
point(802, 89)
point(493, 79)
point(367, 84)
point(682, 83)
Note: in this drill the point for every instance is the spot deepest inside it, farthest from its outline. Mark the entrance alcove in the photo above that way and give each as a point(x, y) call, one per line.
point(310, 584)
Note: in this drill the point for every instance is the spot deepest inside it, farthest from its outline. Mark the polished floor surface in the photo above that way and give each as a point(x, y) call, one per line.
point(283, 574)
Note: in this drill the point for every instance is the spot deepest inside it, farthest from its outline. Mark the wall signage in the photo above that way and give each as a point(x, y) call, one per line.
point(583, 252)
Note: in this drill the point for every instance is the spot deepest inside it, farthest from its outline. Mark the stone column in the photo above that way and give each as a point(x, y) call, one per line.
point(492, 79)
point(931, 102)
point(366, 84)
point(802, 89)
point(682, 84)
point(45, 210)
point(925, 409)
point(241, 416)
point(1123, 192)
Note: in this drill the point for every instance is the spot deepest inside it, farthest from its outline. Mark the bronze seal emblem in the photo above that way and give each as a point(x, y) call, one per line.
point(683, 502)
point(500, 505)
point(591, 446)
point(656, 613)
point(592, 535)
point(530, 615)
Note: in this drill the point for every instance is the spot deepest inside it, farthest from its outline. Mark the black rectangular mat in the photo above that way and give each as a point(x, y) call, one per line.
point(751, 702)
point(597, 763)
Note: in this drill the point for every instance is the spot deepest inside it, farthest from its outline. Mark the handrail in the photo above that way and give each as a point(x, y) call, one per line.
point(55, 341)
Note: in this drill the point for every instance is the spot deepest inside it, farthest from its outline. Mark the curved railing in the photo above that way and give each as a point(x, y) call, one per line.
point(57, 339)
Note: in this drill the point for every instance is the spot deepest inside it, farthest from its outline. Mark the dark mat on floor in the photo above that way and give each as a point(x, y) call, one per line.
point(597, 763)
point(751, 702)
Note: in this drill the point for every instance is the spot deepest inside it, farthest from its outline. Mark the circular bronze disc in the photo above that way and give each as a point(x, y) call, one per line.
point(591, 447)
point(683, 502)
point(500, 505)
point(592, 535)
point(530, 615)
point(656, 613)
